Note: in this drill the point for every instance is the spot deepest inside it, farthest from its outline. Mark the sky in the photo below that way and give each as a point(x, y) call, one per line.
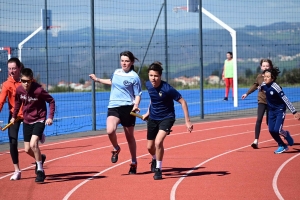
point(25, 15)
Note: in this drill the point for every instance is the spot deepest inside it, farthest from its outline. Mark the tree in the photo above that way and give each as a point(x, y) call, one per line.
point(293, 76)
point(82, 81)
point(248, 73)
point(215, 73)
point(143, 75)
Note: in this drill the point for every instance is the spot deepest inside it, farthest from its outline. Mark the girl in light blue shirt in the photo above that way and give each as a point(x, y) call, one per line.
point(125, 97)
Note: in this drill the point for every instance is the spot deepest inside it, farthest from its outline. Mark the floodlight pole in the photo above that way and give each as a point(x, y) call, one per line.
point(234, 52)
point(20, 45)
point(201, 63)
point(46, 38)
point(92, 15)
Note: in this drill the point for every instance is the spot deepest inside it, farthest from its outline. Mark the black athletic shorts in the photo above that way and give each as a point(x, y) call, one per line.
point(123, 113)
point(153, 126)
point(33, 129)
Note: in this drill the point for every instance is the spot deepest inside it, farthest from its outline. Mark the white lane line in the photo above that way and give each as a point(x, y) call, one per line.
point(86, 138)
point(92, 177)
point(275, 178)
point(141, 130)
point(126, 143)
point(175, 186)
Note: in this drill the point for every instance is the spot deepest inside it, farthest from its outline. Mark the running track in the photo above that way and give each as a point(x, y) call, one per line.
point(215, 161)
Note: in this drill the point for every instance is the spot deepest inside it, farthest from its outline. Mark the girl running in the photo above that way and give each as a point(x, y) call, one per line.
point(277, 103)
point(125, 97)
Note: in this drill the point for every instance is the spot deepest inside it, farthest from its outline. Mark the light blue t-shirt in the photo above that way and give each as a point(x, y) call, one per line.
point(125, 86)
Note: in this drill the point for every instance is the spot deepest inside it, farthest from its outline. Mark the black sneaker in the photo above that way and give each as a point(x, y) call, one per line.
point(43, 160)
point(225, 99)
point(157, 174)
point(153, 165)
point(254, 145)
point(114, 157)
point(132, 169)
point(40, 176)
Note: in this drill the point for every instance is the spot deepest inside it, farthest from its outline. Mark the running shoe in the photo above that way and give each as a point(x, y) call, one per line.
point(157, 174)
point(132, 169)
point(115, 154)
point(40, 176)
point(254, 145)
point(16, 176)
point(225, 99)
point(43, 160)
point(43, 138)
point(153, 165)
point(281, 149)
point(289, 138)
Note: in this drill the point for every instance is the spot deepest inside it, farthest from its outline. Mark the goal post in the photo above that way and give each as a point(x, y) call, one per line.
point(193, 6)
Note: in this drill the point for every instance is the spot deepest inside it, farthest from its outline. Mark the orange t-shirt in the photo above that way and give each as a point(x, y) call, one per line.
point(9, 88)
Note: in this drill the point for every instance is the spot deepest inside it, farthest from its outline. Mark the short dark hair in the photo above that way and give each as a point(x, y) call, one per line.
point(27, 72)
point(274, 72)
point(156, 66)
point(229, 52)
point(15, 60)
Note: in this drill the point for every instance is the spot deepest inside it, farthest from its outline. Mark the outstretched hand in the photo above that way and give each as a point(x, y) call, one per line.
point(244, 96)
point(49, 122)
point(189, 126)
point(135, 108)
point(93, 77)
point(297, 116)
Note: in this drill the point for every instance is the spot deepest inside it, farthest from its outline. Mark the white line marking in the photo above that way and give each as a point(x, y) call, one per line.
point(91, 178)
point(141, 130)
point(175, 186)
point(122, 144)
point(274, 183)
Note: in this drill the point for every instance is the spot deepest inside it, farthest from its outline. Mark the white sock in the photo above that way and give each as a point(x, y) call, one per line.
point(133, 162)
point(158, 164)
point(39, 166)
point(255, 141)
point(154, 157)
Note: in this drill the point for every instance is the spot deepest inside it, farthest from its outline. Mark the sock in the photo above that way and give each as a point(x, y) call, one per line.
point(283, 133)
point(133, 162)
point(154, 157)
point(39, 166)
point(117, 148)
point(255, 141)
point(158, 164)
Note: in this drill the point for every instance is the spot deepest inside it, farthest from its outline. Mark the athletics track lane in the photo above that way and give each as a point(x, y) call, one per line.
point(64, 174)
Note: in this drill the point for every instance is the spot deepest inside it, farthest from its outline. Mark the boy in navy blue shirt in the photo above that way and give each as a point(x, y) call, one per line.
point(277, 103)
point(161, 115)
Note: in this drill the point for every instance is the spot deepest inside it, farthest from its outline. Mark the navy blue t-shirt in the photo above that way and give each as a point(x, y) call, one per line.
point(162, 104)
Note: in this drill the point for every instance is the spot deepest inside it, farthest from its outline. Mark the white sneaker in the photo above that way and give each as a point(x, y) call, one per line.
point(16, 176)
point(43, 139)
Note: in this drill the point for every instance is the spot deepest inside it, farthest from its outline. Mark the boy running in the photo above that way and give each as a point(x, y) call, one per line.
point(277, 103)
point(161, 114)
point(34, 98)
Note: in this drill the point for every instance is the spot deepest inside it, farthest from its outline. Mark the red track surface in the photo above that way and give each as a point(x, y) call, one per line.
point(215, 161)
